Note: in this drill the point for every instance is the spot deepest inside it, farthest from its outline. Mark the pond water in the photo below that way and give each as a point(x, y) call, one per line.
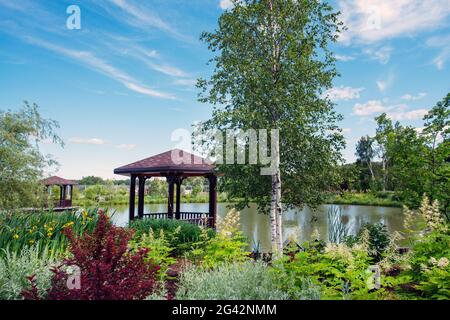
point(297, 224)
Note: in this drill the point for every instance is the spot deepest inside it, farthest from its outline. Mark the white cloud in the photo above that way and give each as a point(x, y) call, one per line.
point(101, 66)
point(126, 146)
point(443, 44)
point(373, 20)
point(408, 115)
point(343, 93)
point(383, 54)
point(344, 58)
point(226, 4)
point(368, 108)
point(410, 97)
point(395, 112)
point(347, 130)
point(94, 141)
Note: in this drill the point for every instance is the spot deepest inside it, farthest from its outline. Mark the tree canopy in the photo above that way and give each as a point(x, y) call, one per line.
point(21, 161)
point(272, 67)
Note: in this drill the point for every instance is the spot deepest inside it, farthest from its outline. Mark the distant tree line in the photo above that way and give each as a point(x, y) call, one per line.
point(406, 160)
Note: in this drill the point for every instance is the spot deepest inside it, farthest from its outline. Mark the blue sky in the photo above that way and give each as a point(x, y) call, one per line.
point(124, 82)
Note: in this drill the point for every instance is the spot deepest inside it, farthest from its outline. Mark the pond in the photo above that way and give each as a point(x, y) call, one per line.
point(297, 224)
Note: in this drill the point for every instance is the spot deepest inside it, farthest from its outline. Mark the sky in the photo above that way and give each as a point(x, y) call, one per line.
point(123, 82)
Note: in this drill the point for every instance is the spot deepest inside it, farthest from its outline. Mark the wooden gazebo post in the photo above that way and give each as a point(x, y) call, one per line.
point(212, 199)
point(171, 181)
point(178, 182)
point(141, 196)
point(132, 196)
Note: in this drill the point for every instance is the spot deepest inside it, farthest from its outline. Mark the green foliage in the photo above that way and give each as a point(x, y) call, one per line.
point(159, 251)
point(16, 267)
point(91, 180)
point(22, 163)
point(341, 271)
point(227, 246)
point(234, 281)
point(411, 163)
point(386, 199)
point(379, 239)
point(20, 230)
point(180, 235)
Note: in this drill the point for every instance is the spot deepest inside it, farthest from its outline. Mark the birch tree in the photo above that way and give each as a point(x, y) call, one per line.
point(272, 66)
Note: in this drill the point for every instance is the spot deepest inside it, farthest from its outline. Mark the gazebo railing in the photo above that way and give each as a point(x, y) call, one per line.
point(197, 218)
point(63, 203)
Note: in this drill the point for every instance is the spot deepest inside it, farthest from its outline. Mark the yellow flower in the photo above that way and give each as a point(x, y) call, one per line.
point(16, 236)
point(31, 241)
point(49, 234)
point(68, 224)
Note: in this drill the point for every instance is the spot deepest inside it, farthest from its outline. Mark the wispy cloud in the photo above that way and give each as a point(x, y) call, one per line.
point(126, 146)
point(443, 44)
point(93, 141)
point(344, 58)
point(141, 17)
point(185, 82)
point(343, 93)
point(382, 54)
point(410, 97)
point(373, 20)
point(99, 65)
point(386, 83)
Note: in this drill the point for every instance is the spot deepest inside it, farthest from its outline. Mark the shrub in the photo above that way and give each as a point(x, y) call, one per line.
point(227, 246)
point(179, 234)
point(158, 248)
point(429, 270)
point(341, 271)
point(16, 267)
point(378, 239)
point(108, 271)
point(236, 281)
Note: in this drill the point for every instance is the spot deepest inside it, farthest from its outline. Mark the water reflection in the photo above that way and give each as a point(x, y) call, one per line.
point(298, 224)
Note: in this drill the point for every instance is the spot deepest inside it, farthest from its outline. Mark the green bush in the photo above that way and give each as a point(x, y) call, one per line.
point(180, 234)
point(379, 239)
point(227, 246)
point(16, 267)
point(237, 281)
point(341, 271)
point(159, 250)
point(430, 268)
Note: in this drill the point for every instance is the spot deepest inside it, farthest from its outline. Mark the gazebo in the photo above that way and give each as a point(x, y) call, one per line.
point(175, 166)
point(65, 190)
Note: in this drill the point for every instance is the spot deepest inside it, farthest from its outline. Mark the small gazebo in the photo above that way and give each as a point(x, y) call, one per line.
point(65, 191)
point(174, 165)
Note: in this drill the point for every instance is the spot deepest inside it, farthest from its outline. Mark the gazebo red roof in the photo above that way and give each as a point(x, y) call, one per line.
point(58, 181)
point(163, 163)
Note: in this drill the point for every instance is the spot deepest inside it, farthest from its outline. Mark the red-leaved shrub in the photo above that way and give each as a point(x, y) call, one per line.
point(109, 271)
